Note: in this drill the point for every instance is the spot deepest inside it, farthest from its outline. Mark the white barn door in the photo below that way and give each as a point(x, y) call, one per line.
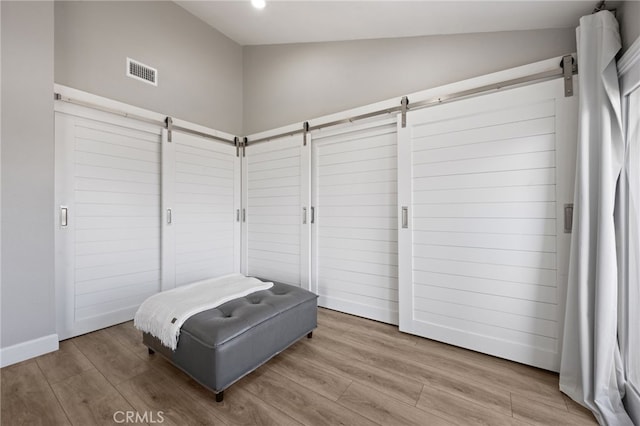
point(483, 252)
point(108, 218)
point(136, 214)
point(276, 204)
point(201, 198)
point(354, 234)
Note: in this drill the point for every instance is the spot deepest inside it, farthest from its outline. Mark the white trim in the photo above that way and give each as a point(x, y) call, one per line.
point(629, 70)
point(27, 350)
point(405, 235)
point(496, 77)
point(167, 234)
point(237, 206)
point(631, 56)
point(305, 201)
point(0, 181)
point(202, 129)
point(86, 97)
point(244, 204)
point(566, 135)
point(365, 124)
point(93, 114)
point(313, 202)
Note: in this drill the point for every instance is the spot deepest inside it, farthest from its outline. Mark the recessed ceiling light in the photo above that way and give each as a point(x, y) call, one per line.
point(259, 4)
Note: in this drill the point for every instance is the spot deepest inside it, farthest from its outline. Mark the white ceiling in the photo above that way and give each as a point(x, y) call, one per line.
point(316, 21)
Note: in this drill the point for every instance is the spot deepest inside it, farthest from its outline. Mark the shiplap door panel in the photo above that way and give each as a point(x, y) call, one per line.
point(355, 245)
point(108, 254)
point(201, 188)
point(483, 257)
point(276, 200)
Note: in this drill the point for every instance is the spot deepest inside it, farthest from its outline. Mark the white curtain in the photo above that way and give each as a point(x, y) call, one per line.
point(592, 370)
point(628, 234)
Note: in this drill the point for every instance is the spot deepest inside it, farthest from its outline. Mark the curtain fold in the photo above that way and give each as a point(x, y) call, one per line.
point(592, 368)
point(627, 219)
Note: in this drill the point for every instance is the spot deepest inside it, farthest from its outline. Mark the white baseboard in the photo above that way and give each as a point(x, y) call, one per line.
point(29, 349)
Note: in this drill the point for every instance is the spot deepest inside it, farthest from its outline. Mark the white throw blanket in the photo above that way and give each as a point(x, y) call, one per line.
point(163, 314)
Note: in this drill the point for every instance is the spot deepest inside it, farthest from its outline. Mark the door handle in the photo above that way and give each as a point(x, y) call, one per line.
point(64, 216)
point(568, 218)
point(169, 217)
point(405, 217)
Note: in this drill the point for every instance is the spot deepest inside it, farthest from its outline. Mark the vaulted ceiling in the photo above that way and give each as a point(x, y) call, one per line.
point(317, 21)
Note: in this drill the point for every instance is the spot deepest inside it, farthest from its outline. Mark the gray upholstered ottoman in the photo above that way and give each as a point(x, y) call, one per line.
point(219, 346)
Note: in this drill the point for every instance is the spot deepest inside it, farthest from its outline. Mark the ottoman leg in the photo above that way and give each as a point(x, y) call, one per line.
point(310, 335)
point(151, 351)
point(219, 396)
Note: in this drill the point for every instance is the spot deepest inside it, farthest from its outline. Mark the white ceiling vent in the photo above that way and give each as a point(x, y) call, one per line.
point(142, 72)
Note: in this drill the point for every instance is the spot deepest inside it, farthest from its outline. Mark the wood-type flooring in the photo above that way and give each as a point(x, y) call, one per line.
point(352, 372)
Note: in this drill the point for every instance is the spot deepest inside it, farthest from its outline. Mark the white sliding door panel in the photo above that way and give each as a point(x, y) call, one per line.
point(355, 250)
point(202, 191)
point(483, 255)
point(108, 251)
point(276, 178)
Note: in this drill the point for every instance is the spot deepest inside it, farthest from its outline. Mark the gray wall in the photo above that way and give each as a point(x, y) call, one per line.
point(629, 18)
point(199, 69)
point(28, 310)
point(285, 84)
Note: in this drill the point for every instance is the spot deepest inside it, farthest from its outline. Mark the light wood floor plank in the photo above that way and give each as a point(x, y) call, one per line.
point(327, 358)
point(377, 330)
point(497, 378)
point(149, 392)
point(380, 408)
point(328, 323)
point(372, 335)
point(539, 414)
point(533, 382)
point(461, 412)
point(89, 399)
point(162, 366)
point(380, 340)
point(66, 362)
point(129, 337)
point(401, 359)
point(243, 408)
point(240, 407)
point(334, 319)
point(307, 374)
point(112, 359)
point(307, 407)
point(27, 398)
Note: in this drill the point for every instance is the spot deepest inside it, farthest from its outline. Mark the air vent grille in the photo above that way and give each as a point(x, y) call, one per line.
point(142, 72)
